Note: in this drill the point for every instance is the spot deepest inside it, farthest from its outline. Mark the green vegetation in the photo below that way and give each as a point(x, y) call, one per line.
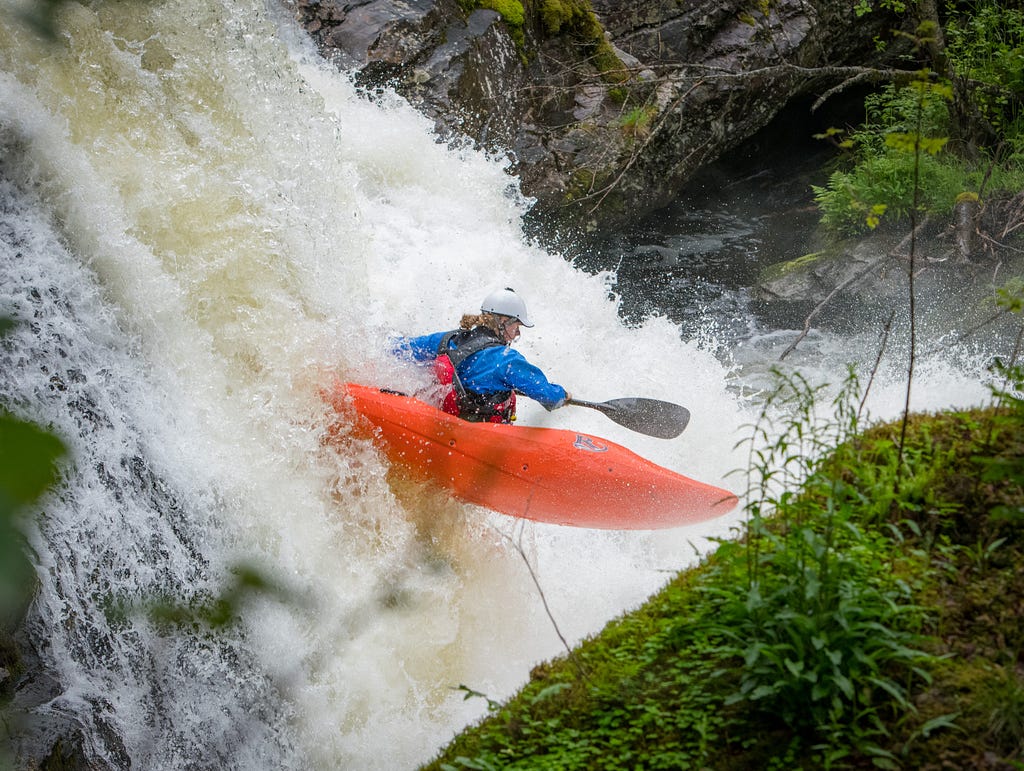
point(554, 18)
point(205, 612)
point(637, 122)
point(28, 466)
point(971, 93)
point(871, 617)
point(987, 46)
point(577, 19)
point(882, 179)
point(862, 7)
point(780, 269)
point(512, 13)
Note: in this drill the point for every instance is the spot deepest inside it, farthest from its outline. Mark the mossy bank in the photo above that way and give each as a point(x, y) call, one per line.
point(875, 619)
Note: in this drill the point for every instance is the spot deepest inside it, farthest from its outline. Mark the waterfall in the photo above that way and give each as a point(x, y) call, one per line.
point(201, 226)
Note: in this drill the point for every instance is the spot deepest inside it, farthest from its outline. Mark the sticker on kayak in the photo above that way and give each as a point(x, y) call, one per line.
point(588, 444)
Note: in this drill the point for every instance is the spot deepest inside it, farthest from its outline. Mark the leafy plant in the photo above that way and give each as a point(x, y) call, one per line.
point(978, 111)
point(28, 466)
point(862, 7)
point(985, 42)
point(881, 181)
point(29, 458)
point(1002, 702)
point(1007, 467)
point(823, 629)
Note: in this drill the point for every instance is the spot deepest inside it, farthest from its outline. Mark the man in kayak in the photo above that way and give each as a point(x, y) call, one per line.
point(480, 371)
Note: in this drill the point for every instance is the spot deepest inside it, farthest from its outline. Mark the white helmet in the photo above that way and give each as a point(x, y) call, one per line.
point(505, 302)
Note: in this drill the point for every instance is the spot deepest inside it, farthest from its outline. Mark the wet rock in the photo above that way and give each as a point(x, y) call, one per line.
point(604, 122)
point(865, 279)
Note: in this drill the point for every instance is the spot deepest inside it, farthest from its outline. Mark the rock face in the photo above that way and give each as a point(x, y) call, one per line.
point(608, 107)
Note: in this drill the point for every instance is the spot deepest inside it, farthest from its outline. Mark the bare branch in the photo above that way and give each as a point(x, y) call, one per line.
point(878, 360)
point(638, 151)
point(518, 546)
point(821, 306)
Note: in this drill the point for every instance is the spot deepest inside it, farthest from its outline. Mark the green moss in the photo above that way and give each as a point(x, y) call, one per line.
point(554, 14)
point(609, 64)
point(576, 18)
point(554, 18)
point(619, 94)
point(512, 11)
point(637, 122)
point(781, 269)
point(564, 16)
point(584, 182)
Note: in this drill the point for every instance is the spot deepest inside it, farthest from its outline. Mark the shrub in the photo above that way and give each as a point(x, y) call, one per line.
point(986, 44)
point(822, 626)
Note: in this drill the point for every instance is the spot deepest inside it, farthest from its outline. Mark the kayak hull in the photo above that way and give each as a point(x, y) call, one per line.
point(544, 474)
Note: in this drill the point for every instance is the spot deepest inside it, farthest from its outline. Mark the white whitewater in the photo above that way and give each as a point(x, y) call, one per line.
point(199, 226)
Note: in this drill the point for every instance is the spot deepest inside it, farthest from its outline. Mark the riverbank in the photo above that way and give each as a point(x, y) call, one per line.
point(875, 620)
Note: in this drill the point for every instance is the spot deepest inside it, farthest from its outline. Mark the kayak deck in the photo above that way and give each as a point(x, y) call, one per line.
point(544, 474)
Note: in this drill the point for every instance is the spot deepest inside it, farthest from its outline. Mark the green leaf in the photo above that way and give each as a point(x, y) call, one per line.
point(894, 690)
point(477, 765)
point(831, 131)
point(550, 691)
point(761, 692)
point(933, 145)
point(937, 723)
point(886, 763)
point(844, 685)
point(901, 141)
point(28, 457)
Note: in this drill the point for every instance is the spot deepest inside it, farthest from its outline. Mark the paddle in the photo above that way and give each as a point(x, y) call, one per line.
point(645, 416)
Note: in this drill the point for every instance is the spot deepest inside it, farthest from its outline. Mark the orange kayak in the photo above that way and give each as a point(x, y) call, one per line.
point(544, 474)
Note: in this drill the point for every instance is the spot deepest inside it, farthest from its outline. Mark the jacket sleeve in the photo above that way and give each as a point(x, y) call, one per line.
point(422, 348)
point(529, 380)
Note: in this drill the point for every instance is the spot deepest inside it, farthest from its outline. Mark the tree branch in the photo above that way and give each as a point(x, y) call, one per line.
point(821, 306)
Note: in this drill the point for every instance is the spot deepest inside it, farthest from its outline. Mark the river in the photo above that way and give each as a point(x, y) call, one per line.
point(200, 225)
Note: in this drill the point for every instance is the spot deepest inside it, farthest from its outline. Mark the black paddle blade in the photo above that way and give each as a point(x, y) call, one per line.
point(663, 420)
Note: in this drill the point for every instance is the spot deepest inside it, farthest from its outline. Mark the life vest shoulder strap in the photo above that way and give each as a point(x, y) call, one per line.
point(467, 342)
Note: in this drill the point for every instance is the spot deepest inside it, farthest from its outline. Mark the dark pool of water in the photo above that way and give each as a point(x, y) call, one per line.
point(697, 259)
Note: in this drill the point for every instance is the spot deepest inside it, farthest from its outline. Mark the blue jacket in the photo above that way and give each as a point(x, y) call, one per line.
point(494, 369)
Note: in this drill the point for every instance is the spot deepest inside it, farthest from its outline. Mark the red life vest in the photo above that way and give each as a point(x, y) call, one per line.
point(498, 407)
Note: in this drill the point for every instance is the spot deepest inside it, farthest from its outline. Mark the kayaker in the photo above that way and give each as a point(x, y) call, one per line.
point(480, 371)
